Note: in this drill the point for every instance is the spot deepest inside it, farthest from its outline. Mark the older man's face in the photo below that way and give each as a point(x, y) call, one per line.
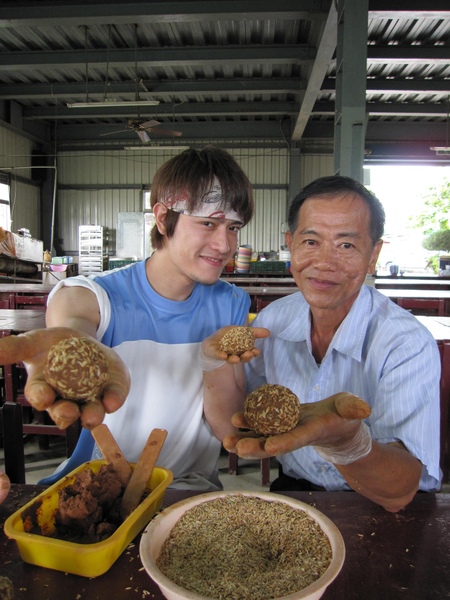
point(331, 250)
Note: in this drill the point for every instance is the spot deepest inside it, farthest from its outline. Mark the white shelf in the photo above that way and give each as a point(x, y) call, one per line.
point(91, 255)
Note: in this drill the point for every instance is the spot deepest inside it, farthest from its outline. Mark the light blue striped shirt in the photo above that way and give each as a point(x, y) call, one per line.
point(380, 353)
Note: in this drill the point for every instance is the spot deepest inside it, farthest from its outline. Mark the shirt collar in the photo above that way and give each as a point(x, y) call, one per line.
point(350, 336)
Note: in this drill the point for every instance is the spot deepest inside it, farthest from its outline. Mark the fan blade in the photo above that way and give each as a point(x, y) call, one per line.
point(166, 131)
point(113, 132)
point(149, 124)
point(144, 136)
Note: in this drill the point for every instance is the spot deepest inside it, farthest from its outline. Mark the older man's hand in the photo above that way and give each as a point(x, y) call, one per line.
point(332, 425)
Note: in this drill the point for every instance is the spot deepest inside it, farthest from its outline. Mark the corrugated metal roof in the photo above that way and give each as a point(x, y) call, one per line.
point(228, 70)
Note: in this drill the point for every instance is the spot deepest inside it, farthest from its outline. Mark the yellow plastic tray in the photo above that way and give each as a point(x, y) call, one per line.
point(88, 560)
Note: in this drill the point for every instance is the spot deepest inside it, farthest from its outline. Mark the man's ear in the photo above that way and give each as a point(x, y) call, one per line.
point(160, 212)
point(288, 239)
point(374, 256)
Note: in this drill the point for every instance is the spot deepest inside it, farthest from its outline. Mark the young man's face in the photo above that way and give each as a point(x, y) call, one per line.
point(201, 247)
point(331, 250)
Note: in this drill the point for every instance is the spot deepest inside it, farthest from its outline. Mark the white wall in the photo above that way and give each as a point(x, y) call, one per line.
point(94, 186)
point(115, 179)
point(313, 166)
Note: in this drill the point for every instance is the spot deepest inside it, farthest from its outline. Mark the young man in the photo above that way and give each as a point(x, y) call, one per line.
point(338, 335)
point(151, 318)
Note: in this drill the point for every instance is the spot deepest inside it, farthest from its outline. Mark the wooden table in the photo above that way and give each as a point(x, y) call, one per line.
point(13, 321)
point(10, 291)
point(413, 284)
point(29, 288)
point(250, 281)
point(420, 300)
point(425, 294)
point(388, 556)
point(439, 327)
point(263, 295)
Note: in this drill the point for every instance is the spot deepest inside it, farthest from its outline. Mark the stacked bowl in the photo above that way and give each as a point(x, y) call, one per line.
point(243, 259)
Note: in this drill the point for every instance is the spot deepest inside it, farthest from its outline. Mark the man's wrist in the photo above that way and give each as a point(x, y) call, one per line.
point(210, 364)
point(358, 447)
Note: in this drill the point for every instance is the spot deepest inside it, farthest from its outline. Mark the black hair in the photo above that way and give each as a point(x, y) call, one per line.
point(191, 173)
point(334, 184)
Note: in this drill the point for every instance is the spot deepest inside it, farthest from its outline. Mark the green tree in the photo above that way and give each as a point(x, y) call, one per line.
point(436, 214)
point(434, 221)
point(438, 240)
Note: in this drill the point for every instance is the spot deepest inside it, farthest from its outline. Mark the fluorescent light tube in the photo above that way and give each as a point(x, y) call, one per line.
point(112, 103)
point(441, 150)
point(150, 147)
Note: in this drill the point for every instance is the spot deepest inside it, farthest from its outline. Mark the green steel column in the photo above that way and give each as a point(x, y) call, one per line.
point(351, 71)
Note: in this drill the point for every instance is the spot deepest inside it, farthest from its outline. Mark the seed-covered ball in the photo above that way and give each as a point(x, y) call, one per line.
point(76, 369)
point(237, 340)
point(272, 409)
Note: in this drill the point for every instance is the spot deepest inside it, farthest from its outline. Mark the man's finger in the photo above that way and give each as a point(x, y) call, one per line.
point(64, 413)
point(261, 332)
point(251, 448)
point(38, 393)
point(15, 349)
point(238, 420)
point(349, 406)
point(113, 398)
point(282, 443)
point(229, 442)
point(92, 414)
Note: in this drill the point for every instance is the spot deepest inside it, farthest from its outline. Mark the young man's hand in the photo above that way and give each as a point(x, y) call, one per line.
point(32, 349)
point(212, 354)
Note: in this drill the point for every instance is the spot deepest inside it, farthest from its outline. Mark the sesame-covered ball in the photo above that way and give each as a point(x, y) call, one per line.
point(237, 340)
point(272, 409)
point(76, 368)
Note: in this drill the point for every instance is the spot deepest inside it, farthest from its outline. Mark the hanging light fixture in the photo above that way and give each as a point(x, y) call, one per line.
point(151, 147)
point(111, 103)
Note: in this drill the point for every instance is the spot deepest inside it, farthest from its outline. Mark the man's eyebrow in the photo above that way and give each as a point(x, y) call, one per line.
point(343, 234)
point(350, 234)
point(220, 219)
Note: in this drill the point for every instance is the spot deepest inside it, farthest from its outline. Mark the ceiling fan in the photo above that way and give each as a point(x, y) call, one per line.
point(143, 128)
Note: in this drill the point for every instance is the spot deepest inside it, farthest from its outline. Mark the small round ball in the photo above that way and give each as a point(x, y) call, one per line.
point(272, 409)
point(237, 340)
point(76, 368)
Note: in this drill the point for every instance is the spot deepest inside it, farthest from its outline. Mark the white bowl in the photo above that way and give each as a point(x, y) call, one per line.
point(159, 529)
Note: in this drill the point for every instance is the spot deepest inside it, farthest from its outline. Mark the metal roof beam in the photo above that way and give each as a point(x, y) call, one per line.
point(387, 9)
point(157, 57)
point(395, 131)
point(394, 85)
point(127, 89)
point(204, 131)
point(324, 57)
point(390, 109)
point(408, 54)
point(187, 109)
point(95, 12)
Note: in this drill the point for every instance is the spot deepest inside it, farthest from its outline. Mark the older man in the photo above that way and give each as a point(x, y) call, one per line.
point(366, 371)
